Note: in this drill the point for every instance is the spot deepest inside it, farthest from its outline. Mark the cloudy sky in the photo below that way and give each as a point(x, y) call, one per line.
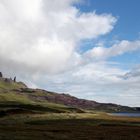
point(87, 48)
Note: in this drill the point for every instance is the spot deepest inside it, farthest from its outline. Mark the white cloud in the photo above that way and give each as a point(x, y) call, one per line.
point(119, 48)
point(42, 35)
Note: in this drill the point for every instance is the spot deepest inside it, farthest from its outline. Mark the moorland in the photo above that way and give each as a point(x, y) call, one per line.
point(29, 114)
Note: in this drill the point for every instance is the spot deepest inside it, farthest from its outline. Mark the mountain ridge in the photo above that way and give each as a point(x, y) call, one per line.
point(13, 91)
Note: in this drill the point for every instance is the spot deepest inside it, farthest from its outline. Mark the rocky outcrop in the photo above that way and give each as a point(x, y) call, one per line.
point(1, 75)
point(7, 80)
point(72, 101)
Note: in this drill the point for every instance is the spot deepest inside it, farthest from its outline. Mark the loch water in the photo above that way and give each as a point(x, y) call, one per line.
point(126, 114)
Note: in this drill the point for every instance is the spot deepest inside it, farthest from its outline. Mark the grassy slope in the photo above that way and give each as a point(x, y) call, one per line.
point(17, 95)
point(11, 98)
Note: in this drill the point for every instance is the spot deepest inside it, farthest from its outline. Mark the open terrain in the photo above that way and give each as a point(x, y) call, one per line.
point(30, 114)
point(66, 126)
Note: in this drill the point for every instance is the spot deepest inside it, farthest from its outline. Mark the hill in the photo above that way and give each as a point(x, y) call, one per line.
point(34, 114)
point(16, 97)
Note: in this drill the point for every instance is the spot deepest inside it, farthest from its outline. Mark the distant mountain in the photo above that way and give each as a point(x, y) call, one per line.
point(17, 97)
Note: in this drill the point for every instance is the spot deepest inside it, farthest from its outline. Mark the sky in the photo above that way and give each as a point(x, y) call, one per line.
point(87, 48)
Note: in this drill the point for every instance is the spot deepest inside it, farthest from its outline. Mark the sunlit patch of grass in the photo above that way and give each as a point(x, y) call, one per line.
point(11, 97)
point(9, 86)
